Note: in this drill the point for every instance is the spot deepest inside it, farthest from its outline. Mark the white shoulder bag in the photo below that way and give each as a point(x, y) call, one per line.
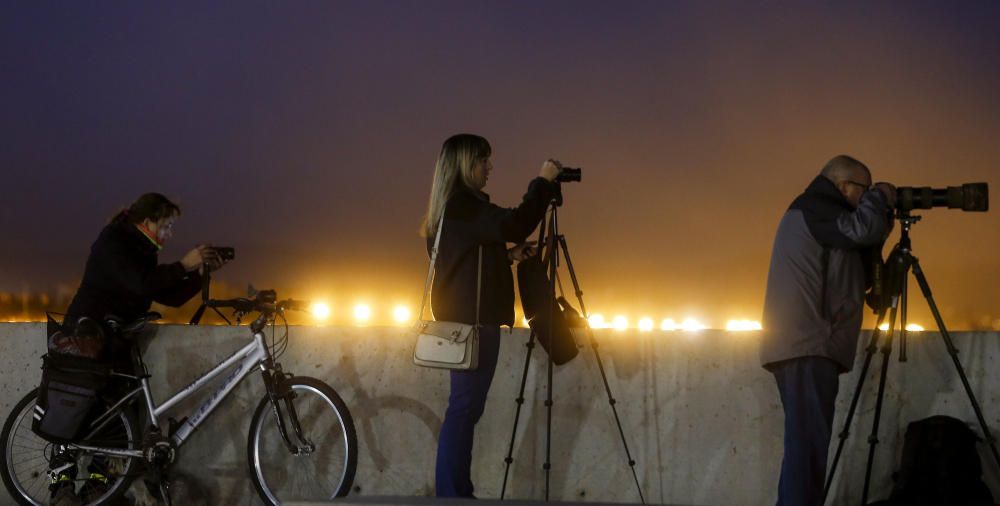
point(446, 345)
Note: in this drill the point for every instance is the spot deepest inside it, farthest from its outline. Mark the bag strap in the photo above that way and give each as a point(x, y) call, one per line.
point(430, 269)
point(479, 285)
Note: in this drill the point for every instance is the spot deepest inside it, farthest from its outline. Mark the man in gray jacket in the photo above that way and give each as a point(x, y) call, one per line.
point(813, 310)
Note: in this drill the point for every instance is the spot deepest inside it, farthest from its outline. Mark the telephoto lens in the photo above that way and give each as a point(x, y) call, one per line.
point(968, 197)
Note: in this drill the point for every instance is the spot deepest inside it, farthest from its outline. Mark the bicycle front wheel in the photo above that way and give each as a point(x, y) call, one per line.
point(326, 472)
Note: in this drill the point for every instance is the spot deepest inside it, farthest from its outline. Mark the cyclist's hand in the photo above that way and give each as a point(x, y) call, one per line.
point(195, 258)
point(212, 259)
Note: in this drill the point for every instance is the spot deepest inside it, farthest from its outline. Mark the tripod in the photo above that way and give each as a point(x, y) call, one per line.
point(554, 243)
point(900, 263)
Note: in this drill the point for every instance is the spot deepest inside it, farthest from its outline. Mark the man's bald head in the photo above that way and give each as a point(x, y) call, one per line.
point(850, 176)
point(843, 168)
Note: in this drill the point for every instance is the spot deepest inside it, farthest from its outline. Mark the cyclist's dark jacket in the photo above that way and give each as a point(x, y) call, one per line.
point(470, 220)
point(122, 277)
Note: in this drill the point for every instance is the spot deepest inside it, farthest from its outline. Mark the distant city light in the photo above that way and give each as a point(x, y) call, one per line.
point(668, 324)
point(320, 310)
point(619, 323)
point(691, 325)
point(596, 321)
point(362, 312)
point(742, 325)
point(401, 314)
point(645, 324)
point(911, 327)
point(524, 322)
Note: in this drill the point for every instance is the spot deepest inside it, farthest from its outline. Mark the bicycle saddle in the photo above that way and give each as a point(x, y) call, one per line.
point(120, 325)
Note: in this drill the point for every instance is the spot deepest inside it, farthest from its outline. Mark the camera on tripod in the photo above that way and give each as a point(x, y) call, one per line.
point(569, 175)
point(968, 197)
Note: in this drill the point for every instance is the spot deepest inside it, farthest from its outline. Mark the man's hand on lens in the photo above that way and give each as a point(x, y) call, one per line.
point(550, 169)
point(522, 251)
point(889, 191)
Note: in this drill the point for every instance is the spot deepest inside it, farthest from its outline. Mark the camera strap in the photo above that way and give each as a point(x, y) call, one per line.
point(432, 267)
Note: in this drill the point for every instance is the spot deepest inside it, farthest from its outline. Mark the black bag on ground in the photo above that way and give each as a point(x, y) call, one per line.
point(533, 284)
point(71, 381)
point(940, 466)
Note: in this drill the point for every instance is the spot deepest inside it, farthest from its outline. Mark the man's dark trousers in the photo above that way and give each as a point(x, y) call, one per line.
point(808, 388)
point(465, 405)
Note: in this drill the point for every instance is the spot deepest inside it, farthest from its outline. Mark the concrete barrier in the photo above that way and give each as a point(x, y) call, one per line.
point(702, 419)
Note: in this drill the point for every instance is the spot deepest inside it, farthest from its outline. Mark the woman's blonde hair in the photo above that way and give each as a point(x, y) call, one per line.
point(455, 164)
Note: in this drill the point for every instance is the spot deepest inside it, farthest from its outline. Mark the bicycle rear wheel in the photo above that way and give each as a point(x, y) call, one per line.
point(24, 458)
point(326, 472)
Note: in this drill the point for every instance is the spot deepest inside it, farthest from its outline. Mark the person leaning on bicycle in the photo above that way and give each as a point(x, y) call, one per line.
point(122, 278)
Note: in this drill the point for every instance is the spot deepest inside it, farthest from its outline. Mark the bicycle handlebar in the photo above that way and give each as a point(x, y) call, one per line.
point(250, 305)
point(264, 302)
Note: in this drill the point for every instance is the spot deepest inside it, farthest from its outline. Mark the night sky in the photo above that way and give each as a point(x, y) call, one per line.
point(305, 135)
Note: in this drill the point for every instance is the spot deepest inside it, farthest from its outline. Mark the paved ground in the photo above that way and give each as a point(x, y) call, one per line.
point(429, 501)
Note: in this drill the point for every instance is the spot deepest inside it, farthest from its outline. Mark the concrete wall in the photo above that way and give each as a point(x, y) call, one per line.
point(703, 420)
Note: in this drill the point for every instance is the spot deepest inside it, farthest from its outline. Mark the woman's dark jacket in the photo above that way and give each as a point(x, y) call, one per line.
point(123, 278)
point(470, 220)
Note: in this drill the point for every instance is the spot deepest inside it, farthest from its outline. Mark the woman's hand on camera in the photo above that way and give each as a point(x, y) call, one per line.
point(550, 169)
point(522, 251)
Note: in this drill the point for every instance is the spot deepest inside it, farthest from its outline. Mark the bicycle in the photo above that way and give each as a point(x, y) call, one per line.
point(314, 460)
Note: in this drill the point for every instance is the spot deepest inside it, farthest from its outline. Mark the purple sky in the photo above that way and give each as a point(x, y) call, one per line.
point(304, 134)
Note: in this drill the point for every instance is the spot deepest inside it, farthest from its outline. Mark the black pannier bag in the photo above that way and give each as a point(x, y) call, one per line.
point(72, 376)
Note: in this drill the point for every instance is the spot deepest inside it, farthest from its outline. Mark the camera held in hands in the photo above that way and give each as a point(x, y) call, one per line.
point(225, 253)
point(968, 197)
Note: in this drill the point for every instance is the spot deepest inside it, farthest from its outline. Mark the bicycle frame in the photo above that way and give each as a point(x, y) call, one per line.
point(254, 354)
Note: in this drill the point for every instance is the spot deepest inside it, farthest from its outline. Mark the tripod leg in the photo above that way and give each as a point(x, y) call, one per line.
point(548, 431)
point(883, 375)
point(530, 345)
point(553, 253)
point(600, 365)
point(953, 351)
point(612, 402)
point(862, 376)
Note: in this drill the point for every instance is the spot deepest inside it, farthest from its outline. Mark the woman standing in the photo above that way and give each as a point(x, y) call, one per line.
point(471, 221)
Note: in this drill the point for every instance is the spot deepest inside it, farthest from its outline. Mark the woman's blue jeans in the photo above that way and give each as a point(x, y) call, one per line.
point(465, 405)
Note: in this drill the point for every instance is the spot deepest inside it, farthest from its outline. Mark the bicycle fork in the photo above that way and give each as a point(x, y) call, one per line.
point(280, 394)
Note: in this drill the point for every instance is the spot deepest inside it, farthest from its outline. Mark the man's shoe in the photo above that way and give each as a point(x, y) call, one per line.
point(64, 494)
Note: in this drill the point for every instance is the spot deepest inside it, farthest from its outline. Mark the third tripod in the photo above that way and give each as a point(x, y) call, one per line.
point(900, 263)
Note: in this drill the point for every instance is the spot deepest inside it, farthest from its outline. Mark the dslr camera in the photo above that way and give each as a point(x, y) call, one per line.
point(569, 175)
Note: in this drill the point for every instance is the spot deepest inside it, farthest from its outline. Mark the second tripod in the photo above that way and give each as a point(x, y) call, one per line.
point(554, 244)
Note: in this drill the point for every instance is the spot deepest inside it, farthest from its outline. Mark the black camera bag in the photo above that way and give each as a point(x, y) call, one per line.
point(533, 283)
point(940, 466)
